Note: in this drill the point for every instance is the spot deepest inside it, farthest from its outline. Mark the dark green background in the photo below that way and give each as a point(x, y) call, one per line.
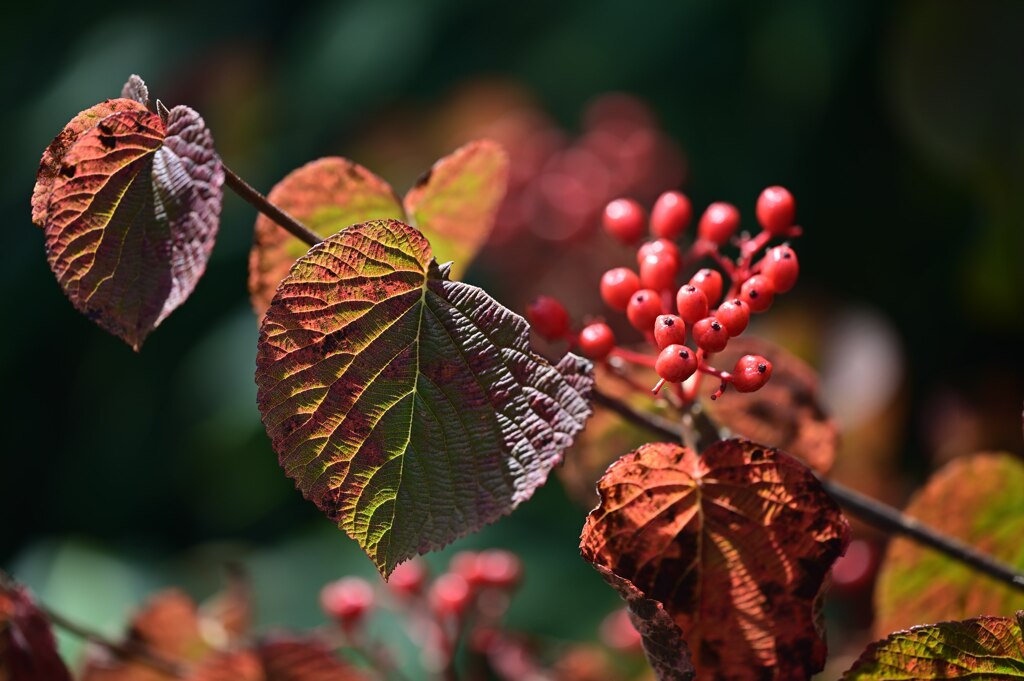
point(898, 125)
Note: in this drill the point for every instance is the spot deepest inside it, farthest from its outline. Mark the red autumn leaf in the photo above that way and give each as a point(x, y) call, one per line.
point(282, 659)
point(735, 543)
point(408, 407)
point(28, 651)
point(131, 213)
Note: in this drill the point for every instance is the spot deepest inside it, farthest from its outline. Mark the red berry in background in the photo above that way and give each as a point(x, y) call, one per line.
point(408, 579)
point(466, 564)
point(781, 268)
point(644, 307)
point(625, 220)
point(548, 317)
point(710, 282)
point(450, 595)
point(657, 247)
point(671, 215)
point(719, 222)
point(776, 210)
point(618, 286)
point(597, 340)
point(658, 272)
point(669, 330)
point(676, 363)
point(347, 600)
point(751, 373)
point(498, 568)
point(618, 632)
point(735, 315)
point(758, 293)
point(710, 335)
point(692, 303)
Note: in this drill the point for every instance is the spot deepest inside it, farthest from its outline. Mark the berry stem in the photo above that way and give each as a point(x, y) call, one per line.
point(633, 357)
point(263, 205)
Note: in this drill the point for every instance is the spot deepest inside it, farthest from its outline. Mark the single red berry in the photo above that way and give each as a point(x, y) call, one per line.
point(347, 600)
point(751, 373)
point(676, 363)
point(644, 307)
point(735, 314)
point(658, 272)
point(669, 330)
point(710, 282)
point(548, 317)
point(625, 220)
point(499, 569)
point(450, 594)
point(692, 303)
point(757, 292)
point(671, 215)
point(710, 334)
point(618, 632)
point(776, 210)
point(617, 286)
point(781, 268)
point(597, 340)
point(719, 222)
point(657, 247)
point(408, 579)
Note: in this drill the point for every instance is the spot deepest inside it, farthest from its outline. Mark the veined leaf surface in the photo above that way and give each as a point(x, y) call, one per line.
point(408, 407)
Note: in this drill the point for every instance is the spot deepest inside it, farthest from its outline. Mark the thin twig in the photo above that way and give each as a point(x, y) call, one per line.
point(260, 203)
point(869, 510)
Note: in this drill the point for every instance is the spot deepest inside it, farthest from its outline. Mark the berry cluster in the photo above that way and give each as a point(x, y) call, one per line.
point(690, 323)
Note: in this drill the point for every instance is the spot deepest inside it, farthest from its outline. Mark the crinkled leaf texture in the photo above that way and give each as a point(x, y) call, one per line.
point(28, 651)
point(979, 500)
point(735, 543)
point(979, 648)
point(408, 407)
point(453, 205)
point(130, 206)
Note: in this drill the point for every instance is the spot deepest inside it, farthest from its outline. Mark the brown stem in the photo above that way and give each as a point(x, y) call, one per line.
point(260, 203)
point(869, 510)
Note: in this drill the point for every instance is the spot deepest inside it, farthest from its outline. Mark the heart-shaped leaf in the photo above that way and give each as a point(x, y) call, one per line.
point(979, 648)
point(408, 407)
point(326, 195)
point(735, 543)
point(28, 651)
point(455, 202)
point(132, 215)
point(978, 500)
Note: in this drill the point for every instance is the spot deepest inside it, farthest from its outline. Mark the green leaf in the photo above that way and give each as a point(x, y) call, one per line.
point(979, 648)
point(455, 203)
point(131, 216)
point(978, 500)
point(408, 407)
point(326, 195)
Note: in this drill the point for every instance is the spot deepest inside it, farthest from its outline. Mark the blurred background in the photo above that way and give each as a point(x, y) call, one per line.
point(899, 127)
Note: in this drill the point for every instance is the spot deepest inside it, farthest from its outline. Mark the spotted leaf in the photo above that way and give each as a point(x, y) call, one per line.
point(734, 543)
point(408, 407)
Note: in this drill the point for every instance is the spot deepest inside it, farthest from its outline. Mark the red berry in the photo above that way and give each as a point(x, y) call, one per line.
point(669, 330)
point(692, 303)
point(657, 247)
point(617, 287)
point(618, 632)
point(710, 335)
point(735, 314)
point(776, 210)
point(751, 373)
point(676, 363)
point(671, 215)
point(625, 220)
point(347, 600)
point(548, 317)
point(644, 307)
point(658, 271)
point(450, 594)
point(758, 293)
point(781, 268)
point(408, 578)
point(499, 569)
point(719, 222)
point(597, 341)
point(710, 282)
